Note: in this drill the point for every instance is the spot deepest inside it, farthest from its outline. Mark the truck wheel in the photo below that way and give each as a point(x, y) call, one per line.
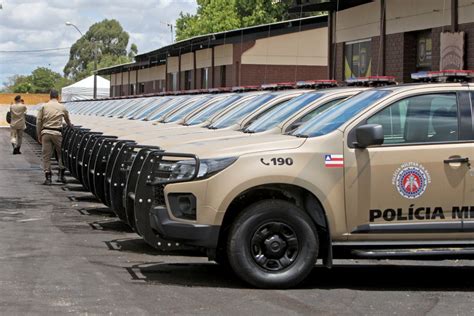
point(273, 244)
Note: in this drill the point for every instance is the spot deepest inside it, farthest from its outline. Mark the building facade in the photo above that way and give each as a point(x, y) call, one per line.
point(397, 37)
point(279, 52)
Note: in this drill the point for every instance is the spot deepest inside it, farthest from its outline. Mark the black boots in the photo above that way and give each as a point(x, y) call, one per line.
point(61, 177)
point(48, 177)
point(16, 151)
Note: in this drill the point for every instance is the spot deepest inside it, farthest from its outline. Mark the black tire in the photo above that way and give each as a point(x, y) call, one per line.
point(275, 224)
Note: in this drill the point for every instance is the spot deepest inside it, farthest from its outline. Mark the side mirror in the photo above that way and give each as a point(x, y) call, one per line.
point(369, 135)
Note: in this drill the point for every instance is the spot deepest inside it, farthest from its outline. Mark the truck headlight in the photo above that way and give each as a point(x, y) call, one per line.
point(185, 169)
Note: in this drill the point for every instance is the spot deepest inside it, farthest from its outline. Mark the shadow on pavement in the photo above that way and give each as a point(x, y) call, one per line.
point(85, 198)
point(74, 188)
point(365, 277)
point(138, 245)
point(186, 274)
point(115, 225)
point(97, 211)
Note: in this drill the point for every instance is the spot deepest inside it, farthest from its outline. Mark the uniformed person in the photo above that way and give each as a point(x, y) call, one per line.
point(17, 124)
point(49, 123)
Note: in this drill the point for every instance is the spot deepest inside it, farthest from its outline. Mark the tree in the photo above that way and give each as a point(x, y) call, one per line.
point(255, 12)
point(108, 40)
point(44, 79)
point(212, 16)
point(41, 80)
point(223, 15)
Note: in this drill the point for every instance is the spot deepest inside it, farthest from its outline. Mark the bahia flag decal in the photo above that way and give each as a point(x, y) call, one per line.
point(334, 161)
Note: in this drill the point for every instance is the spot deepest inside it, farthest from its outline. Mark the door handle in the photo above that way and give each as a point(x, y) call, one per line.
point(457, 160)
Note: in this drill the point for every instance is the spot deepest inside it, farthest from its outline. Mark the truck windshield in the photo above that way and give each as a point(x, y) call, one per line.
point(331, 119)
point(149, 109)
point(235, 115)
point(181, 113)
point(208, 112)
point(127, 108)
point(282, 112)
point(139, 108)
point(167, 108)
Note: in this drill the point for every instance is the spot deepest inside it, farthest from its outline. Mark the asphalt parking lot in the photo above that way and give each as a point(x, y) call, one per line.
point(63, 252)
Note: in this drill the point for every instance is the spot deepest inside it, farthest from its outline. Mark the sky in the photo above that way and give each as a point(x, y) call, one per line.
point(40, 24)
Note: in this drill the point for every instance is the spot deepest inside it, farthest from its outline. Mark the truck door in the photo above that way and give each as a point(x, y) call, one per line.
point(468, 217)
point(405, 187)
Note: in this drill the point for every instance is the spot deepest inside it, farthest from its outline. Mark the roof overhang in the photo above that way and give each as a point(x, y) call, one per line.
point(326, 5)
point(159, 56)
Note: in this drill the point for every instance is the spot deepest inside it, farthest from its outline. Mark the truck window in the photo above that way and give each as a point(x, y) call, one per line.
point(281, 112)
point(234, 115)
point(419, 119)
point(208, 112)
point(308, 116)
point(181, 113)
point(339, 114)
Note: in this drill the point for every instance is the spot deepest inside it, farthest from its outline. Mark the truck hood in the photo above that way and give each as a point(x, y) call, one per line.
point(237, 146)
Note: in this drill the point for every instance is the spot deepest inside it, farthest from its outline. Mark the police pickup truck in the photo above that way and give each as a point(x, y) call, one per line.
point(384, 174)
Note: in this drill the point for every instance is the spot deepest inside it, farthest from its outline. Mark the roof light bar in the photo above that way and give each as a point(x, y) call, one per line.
point(316, 83)
point(443, 76)
point(371, 81)
point(245, 88)
point(278, 86)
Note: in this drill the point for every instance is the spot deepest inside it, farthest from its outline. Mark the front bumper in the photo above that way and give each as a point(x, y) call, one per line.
point(206, 236)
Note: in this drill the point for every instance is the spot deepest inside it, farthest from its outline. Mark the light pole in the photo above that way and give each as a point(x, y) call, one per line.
point(95, 58)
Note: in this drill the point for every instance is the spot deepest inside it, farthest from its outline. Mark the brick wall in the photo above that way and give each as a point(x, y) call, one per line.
point(376, 59)
point(394, 57)
point(468, 28)
point(238, 71)
point(409, 57)
point(258, 74)
point(217, 76)
point(339, 68)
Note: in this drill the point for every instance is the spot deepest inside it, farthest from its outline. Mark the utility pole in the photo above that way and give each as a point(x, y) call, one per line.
point(93, 41)
point(170, 25)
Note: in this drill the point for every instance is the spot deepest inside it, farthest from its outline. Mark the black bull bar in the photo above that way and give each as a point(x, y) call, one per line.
point(149, 192)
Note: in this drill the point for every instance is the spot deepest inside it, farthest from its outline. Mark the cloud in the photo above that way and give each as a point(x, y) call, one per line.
point(39, 24)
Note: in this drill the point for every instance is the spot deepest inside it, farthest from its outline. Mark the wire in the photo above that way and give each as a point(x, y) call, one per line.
point(35, 50)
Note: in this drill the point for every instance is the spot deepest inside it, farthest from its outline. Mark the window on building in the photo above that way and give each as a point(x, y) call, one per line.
point(174, 81)
point(142, 88)
point(424, 50)
point(223, 76)
point(161, 85)
point(132, 89)
point(188, 82)
point(204, 78)
point(357, 59)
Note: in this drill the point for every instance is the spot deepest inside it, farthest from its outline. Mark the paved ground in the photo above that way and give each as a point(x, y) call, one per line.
point(61, 252)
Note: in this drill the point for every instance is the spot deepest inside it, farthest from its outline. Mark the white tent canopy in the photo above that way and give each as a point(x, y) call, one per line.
point(84, 89)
